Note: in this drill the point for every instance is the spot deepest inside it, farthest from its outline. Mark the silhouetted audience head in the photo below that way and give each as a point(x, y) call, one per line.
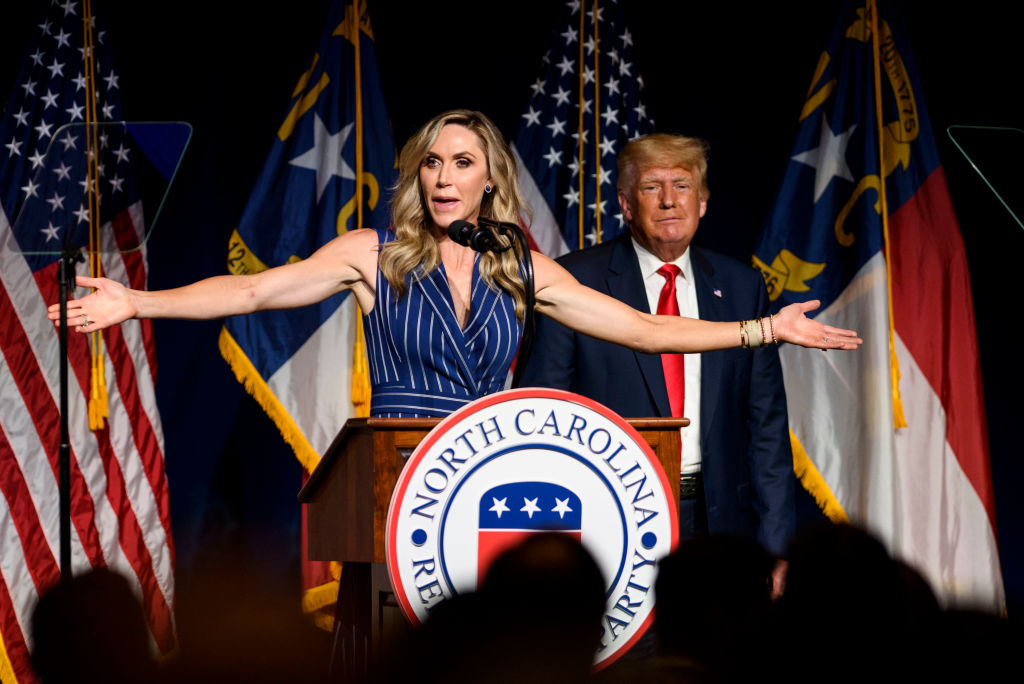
point(713, 595)
point(90, 628)
point(855, 612)
point(535, 618)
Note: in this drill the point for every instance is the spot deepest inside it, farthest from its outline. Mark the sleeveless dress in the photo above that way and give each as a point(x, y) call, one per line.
point(422, 363)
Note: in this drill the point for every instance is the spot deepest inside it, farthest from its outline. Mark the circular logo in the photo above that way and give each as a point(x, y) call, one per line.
point(525, 461)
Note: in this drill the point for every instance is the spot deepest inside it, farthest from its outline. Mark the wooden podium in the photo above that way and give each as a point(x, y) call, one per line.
point(348, 496)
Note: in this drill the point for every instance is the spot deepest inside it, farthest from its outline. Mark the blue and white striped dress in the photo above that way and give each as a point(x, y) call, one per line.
point(422, 363)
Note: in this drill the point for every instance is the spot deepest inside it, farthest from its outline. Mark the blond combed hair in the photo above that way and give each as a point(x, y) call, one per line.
point(414, 246)
point(665, 151)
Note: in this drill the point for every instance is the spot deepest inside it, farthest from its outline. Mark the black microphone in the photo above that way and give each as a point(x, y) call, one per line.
point(479, 238)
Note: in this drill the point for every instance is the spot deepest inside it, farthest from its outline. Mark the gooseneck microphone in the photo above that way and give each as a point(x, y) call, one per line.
point(484, 238)
point(480, 238)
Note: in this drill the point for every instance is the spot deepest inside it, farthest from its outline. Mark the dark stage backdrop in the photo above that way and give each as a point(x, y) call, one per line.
point(733, 73)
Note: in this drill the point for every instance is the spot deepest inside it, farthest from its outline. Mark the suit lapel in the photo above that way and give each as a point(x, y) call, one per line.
point(712, 308)
point(626, 283)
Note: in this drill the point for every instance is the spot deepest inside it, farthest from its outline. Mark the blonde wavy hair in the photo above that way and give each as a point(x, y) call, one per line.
point(414, 246)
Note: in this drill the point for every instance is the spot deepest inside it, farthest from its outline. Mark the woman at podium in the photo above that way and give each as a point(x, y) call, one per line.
point(443, 321)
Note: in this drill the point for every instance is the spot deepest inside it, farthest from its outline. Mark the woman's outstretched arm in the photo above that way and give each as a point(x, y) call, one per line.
point(347, 262)
point(560, 296)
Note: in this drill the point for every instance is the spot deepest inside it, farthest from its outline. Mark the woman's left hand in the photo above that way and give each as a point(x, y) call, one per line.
point(792, 325)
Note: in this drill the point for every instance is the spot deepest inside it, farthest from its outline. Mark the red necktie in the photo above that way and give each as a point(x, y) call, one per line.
point(672, 364)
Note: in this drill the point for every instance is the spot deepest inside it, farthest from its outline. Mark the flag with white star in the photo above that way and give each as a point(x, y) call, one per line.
point(511, 511)
point(891, 436)
point(119, 497)
point(316, 184)
point(585, 105)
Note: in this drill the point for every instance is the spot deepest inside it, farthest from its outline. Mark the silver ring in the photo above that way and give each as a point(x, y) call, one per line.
point(86, 322)
point(826, 339)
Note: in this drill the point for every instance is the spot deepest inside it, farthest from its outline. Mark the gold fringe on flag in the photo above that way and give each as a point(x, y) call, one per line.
point(360, 370)
point(255, 385)
point(814, 483)
point(899, 418)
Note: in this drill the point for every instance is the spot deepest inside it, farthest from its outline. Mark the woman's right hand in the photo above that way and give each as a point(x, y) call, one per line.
point(110, 304)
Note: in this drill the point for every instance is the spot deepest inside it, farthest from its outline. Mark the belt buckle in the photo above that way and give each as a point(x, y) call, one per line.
point(689, 487)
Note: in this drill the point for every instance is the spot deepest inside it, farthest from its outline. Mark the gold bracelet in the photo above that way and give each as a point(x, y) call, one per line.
point(743, 336)
point(771, 326)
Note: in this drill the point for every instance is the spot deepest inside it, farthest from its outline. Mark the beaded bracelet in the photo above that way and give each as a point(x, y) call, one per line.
point(771, 326)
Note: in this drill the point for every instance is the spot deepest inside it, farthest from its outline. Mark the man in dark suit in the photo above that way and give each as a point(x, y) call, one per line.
point(737, 465)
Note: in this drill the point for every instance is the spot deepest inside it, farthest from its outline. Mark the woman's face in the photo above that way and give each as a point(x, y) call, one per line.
point(453, 175)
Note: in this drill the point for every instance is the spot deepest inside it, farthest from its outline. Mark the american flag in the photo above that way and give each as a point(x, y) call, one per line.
point(584, 107)
point(120, 515)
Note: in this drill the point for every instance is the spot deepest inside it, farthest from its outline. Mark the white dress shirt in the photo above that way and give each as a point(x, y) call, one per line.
point(686, 297)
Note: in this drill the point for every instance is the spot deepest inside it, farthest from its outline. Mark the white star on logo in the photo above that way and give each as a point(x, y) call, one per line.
point(829, 158)
point(325, 155)
point(530, 507)
point(499, 507)
point(561, 507)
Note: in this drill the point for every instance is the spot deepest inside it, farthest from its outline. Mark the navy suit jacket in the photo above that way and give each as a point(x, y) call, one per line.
point(747, 462)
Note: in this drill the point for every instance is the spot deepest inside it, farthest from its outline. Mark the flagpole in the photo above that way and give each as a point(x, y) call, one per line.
point(899, 419)
point(597, 131)
point(579, 140)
